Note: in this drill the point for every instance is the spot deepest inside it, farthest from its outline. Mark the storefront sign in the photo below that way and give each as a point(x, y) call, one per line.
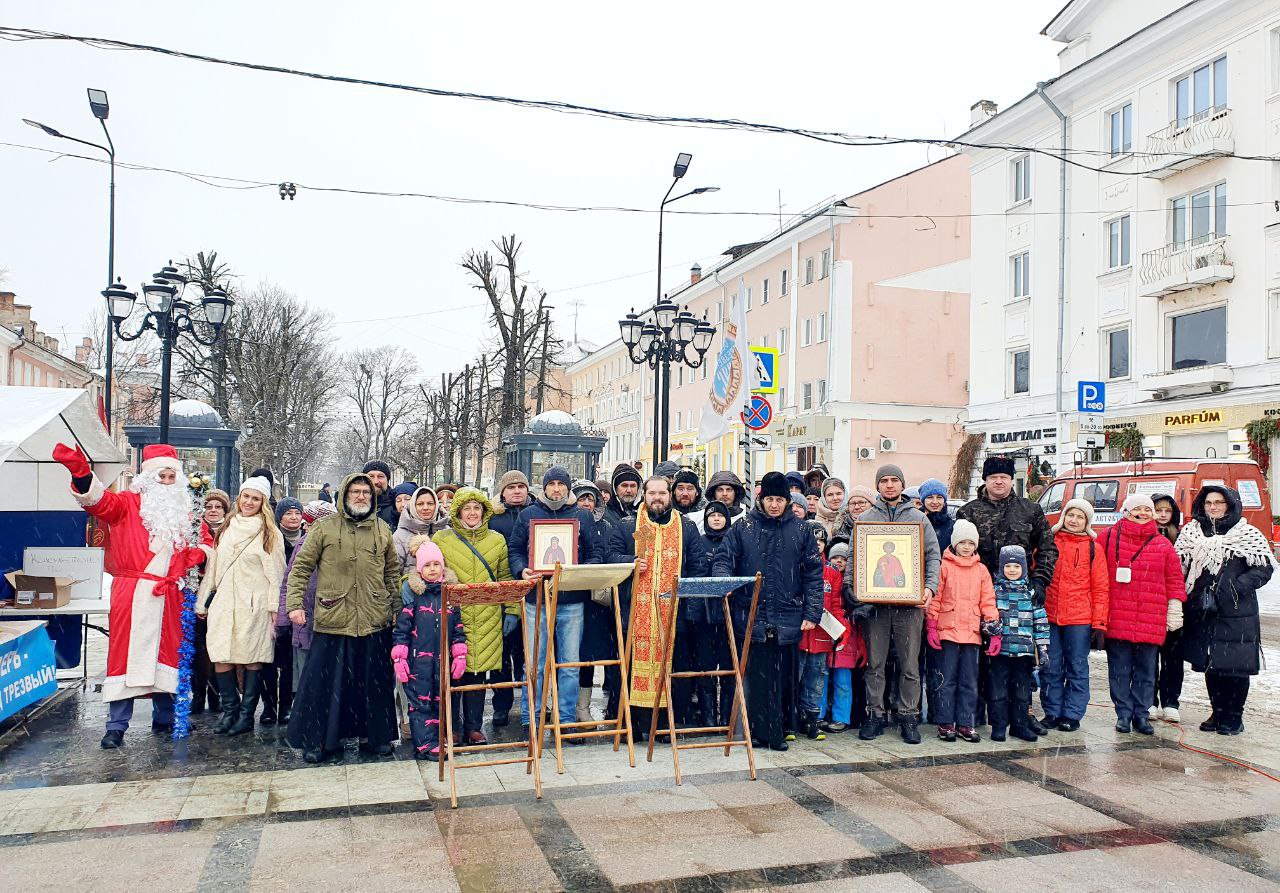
point(1194, 421)
point(1195, 418)
point(1030, 435)
point(806, 428)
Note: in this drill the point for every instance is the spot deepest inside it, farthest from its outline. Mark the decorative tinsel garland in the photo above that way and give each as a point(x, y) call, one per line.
point(186, 656)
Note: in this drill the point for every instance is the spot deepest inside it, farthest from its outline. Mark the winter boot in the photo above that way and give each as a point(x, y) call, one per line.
point(872, 727)
point(811, 730)
point(229, 696)
point(1211, 724)
point(584, 704)
point(909, 727)
point(1230, 723)
point(270, 685)
point(286, 703)
point(1142, 725)
point(249, 705)
point(1037, 726)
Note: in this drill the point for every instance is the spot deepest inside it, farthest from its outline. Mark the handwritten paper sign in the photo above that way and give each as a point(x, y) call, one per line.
point(83, 565)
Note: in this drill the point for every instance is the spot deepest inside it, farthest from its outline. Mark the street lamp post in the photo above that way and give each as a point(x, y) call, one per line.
point(169, 314)
point(101, 109)
point(660, 347)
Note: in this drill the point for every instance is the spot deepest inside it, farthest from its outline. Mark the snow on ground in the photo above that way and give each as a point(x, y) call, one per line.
point(1269, 597)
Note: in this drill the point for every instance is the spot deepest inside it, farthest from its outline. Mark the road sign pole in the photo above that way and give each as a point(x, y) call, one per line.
point(749, 475)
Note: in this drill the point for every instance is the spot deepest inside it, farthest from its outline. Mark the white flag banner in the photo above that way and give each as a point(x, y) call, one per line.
point(734, 377)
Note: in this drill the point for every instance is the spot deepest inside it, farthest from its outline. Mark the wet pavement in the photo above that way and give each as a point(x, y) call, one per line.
point(1089, 810)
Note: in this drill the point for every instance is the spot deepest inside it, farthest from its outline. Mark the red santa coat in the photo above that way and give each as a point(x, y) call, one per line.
point(146, 598)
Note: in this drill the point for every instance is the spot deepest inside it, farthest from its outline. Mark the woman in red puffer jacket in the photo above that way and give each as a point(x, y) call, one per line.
point(1145, 576)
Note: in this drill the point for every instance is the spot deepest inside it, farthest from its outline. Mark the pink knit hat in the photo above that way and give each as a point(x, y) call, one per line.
point(428, 551)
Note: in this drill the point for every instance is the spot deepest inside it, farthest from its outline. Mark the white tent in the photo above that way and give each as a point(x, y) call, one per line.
point(32, 422)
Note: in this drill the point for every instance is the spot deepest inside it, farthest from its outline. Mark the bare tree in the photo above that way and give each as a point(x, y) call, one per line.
point(381, 388)
point(200, 371)
point(135, 370)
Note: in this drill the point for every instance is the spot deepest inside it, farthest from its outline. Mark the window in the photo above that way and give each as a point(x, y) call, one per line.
point(808, 271)
point(806, 396)
point(782, 396)
point(1199, 217)
point(1099, 494)
point(764, 340)
point(1020, 371)
point(1118, 243)
point(679, 375)
point(748, 307)
point(822, 327)
point(826, 264)
point(1021, 169)
point(1117, 346)
point(1198, 339)
point(1020, 274)
point(782, 341)
point(1200, 93)
point(822, 391)
point(1121, 130)
point(806, 332)
point(782, 289)
point(764, 292)
point(679, 417)
point(1051, 501)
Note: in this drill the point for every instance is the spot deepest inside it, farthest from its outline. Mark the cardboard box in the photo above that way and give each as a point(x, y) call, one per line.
point(39, 592)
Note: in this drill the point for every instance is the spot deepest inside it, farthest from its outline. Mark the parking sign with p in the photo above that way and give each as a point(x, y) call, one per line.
point(1091, 396)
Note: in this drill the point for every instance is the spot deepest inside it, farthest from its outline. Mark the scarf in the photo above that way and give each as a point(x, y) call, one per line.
point(291, 536)
point(661, 542)
point(828, 517)
point(1200, 553)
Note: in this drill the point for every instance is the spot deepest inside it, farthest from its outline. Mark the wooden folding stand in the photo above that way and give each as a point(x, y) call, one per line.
point(481, 594)
point(708, 587)
point(588, 576)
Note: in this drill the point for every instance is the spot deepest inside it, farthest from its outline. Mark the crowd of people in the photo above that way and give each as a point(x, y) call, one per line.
point(327, 615)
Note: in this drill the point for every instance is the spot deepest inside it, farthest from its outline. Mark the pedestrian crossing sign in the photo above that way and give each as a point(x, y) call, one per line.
point(766, 367)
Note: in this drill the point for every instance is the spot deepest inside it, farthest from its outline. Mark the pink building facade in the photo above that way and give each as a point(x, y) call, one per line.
point(866, 300)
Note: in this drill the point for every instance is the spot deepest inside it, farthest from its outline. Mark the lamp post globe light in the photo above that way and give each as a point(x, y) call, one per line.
point(101, 109)
point(169, 314)
point(662, 334)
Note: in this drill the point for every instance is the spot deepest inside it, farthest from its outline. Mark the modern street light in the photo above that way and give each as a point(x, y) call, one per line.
point(169, 314)
point(654, 339)
point(664, 340)
point(101, 108)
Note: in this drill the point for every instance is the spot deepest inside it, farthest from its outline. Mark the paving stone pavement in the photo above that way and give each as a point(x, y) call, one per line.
point(1090, 810)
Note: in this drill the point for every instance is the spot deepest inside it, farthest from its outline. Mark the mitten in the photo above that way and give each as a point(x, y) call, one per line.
point(993, 647)
point(935, 638)
point(1098, 639)
point(402, 671)
point(991, 628)
point(509, 624)
point(459, 665)
point(1173, 620)
point(76, 462)
point(400, 652)
point(1038, 591)
point(863, 611)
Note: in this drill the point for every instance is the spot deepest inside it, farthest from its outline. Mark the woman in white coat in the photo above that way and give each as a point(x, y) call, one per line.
point(240, 595)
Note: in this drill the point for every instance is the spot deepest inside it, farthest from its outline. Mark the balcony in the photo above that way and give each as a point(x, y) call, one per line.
point(1179, 266)
point(1210, 378)
point(1191, 141)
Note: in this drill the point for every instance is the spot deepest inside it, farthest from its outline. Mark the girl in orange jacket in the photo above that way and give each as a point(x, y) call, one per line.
point(1077, 604)
point(955, 621)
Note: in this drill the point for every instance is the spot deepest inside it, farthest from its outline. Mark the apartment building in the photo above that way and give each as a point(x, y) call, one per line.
point(606, 398)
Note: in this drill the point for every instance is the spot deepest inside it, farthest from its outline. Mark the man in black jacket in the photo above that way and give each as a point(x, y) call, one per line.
point(625, 484)
point(657, 511)
point(556, 502)
point(379, 473)
point(687, 492)
point(773, 541)
point(1006, 519)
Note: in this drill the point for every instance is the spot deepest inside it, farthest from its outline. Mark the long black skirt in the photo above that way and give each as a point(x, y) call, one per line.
point(347, 690)
point(769, 681)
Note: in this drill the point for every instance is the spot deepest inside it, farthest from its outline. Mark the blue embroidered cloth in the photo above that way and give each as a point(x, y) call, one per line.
point(711, 587)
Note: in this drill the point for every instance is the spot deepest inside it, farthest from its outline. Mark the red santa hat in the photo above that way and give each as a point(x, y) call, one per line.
point(160, 455)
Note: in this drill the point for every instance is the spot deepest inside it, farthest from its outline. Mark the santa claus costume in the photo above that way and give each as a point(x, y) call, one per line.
point(148, 553)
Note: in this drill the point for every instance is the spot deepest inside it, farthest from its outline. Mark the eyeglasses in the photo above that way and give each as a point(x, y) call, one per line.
point(1215, 502)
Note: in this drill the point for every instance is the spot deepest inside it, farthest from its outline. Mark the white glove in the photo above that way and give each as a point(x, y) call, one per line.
point(1173, 620)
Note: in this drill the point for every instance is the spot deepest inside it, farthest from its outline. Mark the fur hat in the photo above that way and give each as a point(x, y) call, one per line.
point(933, 487)
point(285, 505)
point(998, 465)
point(890, 470)
point(160, 455)
point(1078, 504)
point(964, 532)
point(377, 465)
point(427, 551)
point(220, 495)
point(1137, 501)
point(258, 485)
point(775, 484)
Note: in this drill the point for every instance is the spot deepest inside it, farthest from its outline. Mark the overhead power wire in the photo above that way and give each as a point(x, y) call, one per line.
point(220, 181)
point(17, 34)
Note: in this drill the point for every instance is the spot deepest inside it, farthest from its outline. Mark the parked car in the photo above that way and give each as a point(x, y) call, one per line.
point(1105, 486)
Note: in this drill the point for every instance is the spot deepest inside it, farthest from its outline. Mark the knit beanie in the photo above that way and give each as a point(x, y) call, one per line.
point(1137, 501)
point(797, 499)
point(316, 509)
point(796, 479)
point(715, 508)
point(814, 492)
point(775, 484)
point(864, 491)
point(911, 492)
point(259, 485)
point(514, 476)
point(220, 496)
point(964, 532)
point(428, 551)
point(666, 469)
point(285, 505)
point(933, 487)
point(557, 473)
point(885, 471)
point(1078, 504)
point(1011, 555)
point(838, 549)
point(405, 488)
point(377, 465)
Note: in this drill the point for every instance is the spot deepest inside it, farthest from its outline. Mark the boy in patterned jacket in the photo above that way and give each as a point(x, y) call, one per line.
point(1023, 638)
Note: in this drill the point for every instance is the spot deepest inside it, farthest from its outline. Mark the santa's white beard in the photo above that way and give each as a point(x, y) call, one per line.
point(166, 510)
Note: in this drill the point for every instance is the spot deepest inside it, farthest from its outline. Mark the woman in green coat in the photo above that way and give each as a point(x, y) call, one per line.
point(477, 555)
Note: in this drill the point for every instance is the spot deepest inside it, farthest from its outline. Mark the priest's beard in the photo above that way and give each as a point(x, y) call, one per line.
point(166, 510)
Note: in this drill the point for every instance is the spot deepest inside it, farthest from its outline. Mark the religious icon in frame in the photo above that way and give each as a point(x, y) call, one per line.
point(552, 541)
point(888, 563)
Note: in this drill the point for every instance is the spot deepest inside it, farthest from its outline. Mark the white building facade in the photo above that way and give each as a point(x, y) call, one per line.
point(1171, 278)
